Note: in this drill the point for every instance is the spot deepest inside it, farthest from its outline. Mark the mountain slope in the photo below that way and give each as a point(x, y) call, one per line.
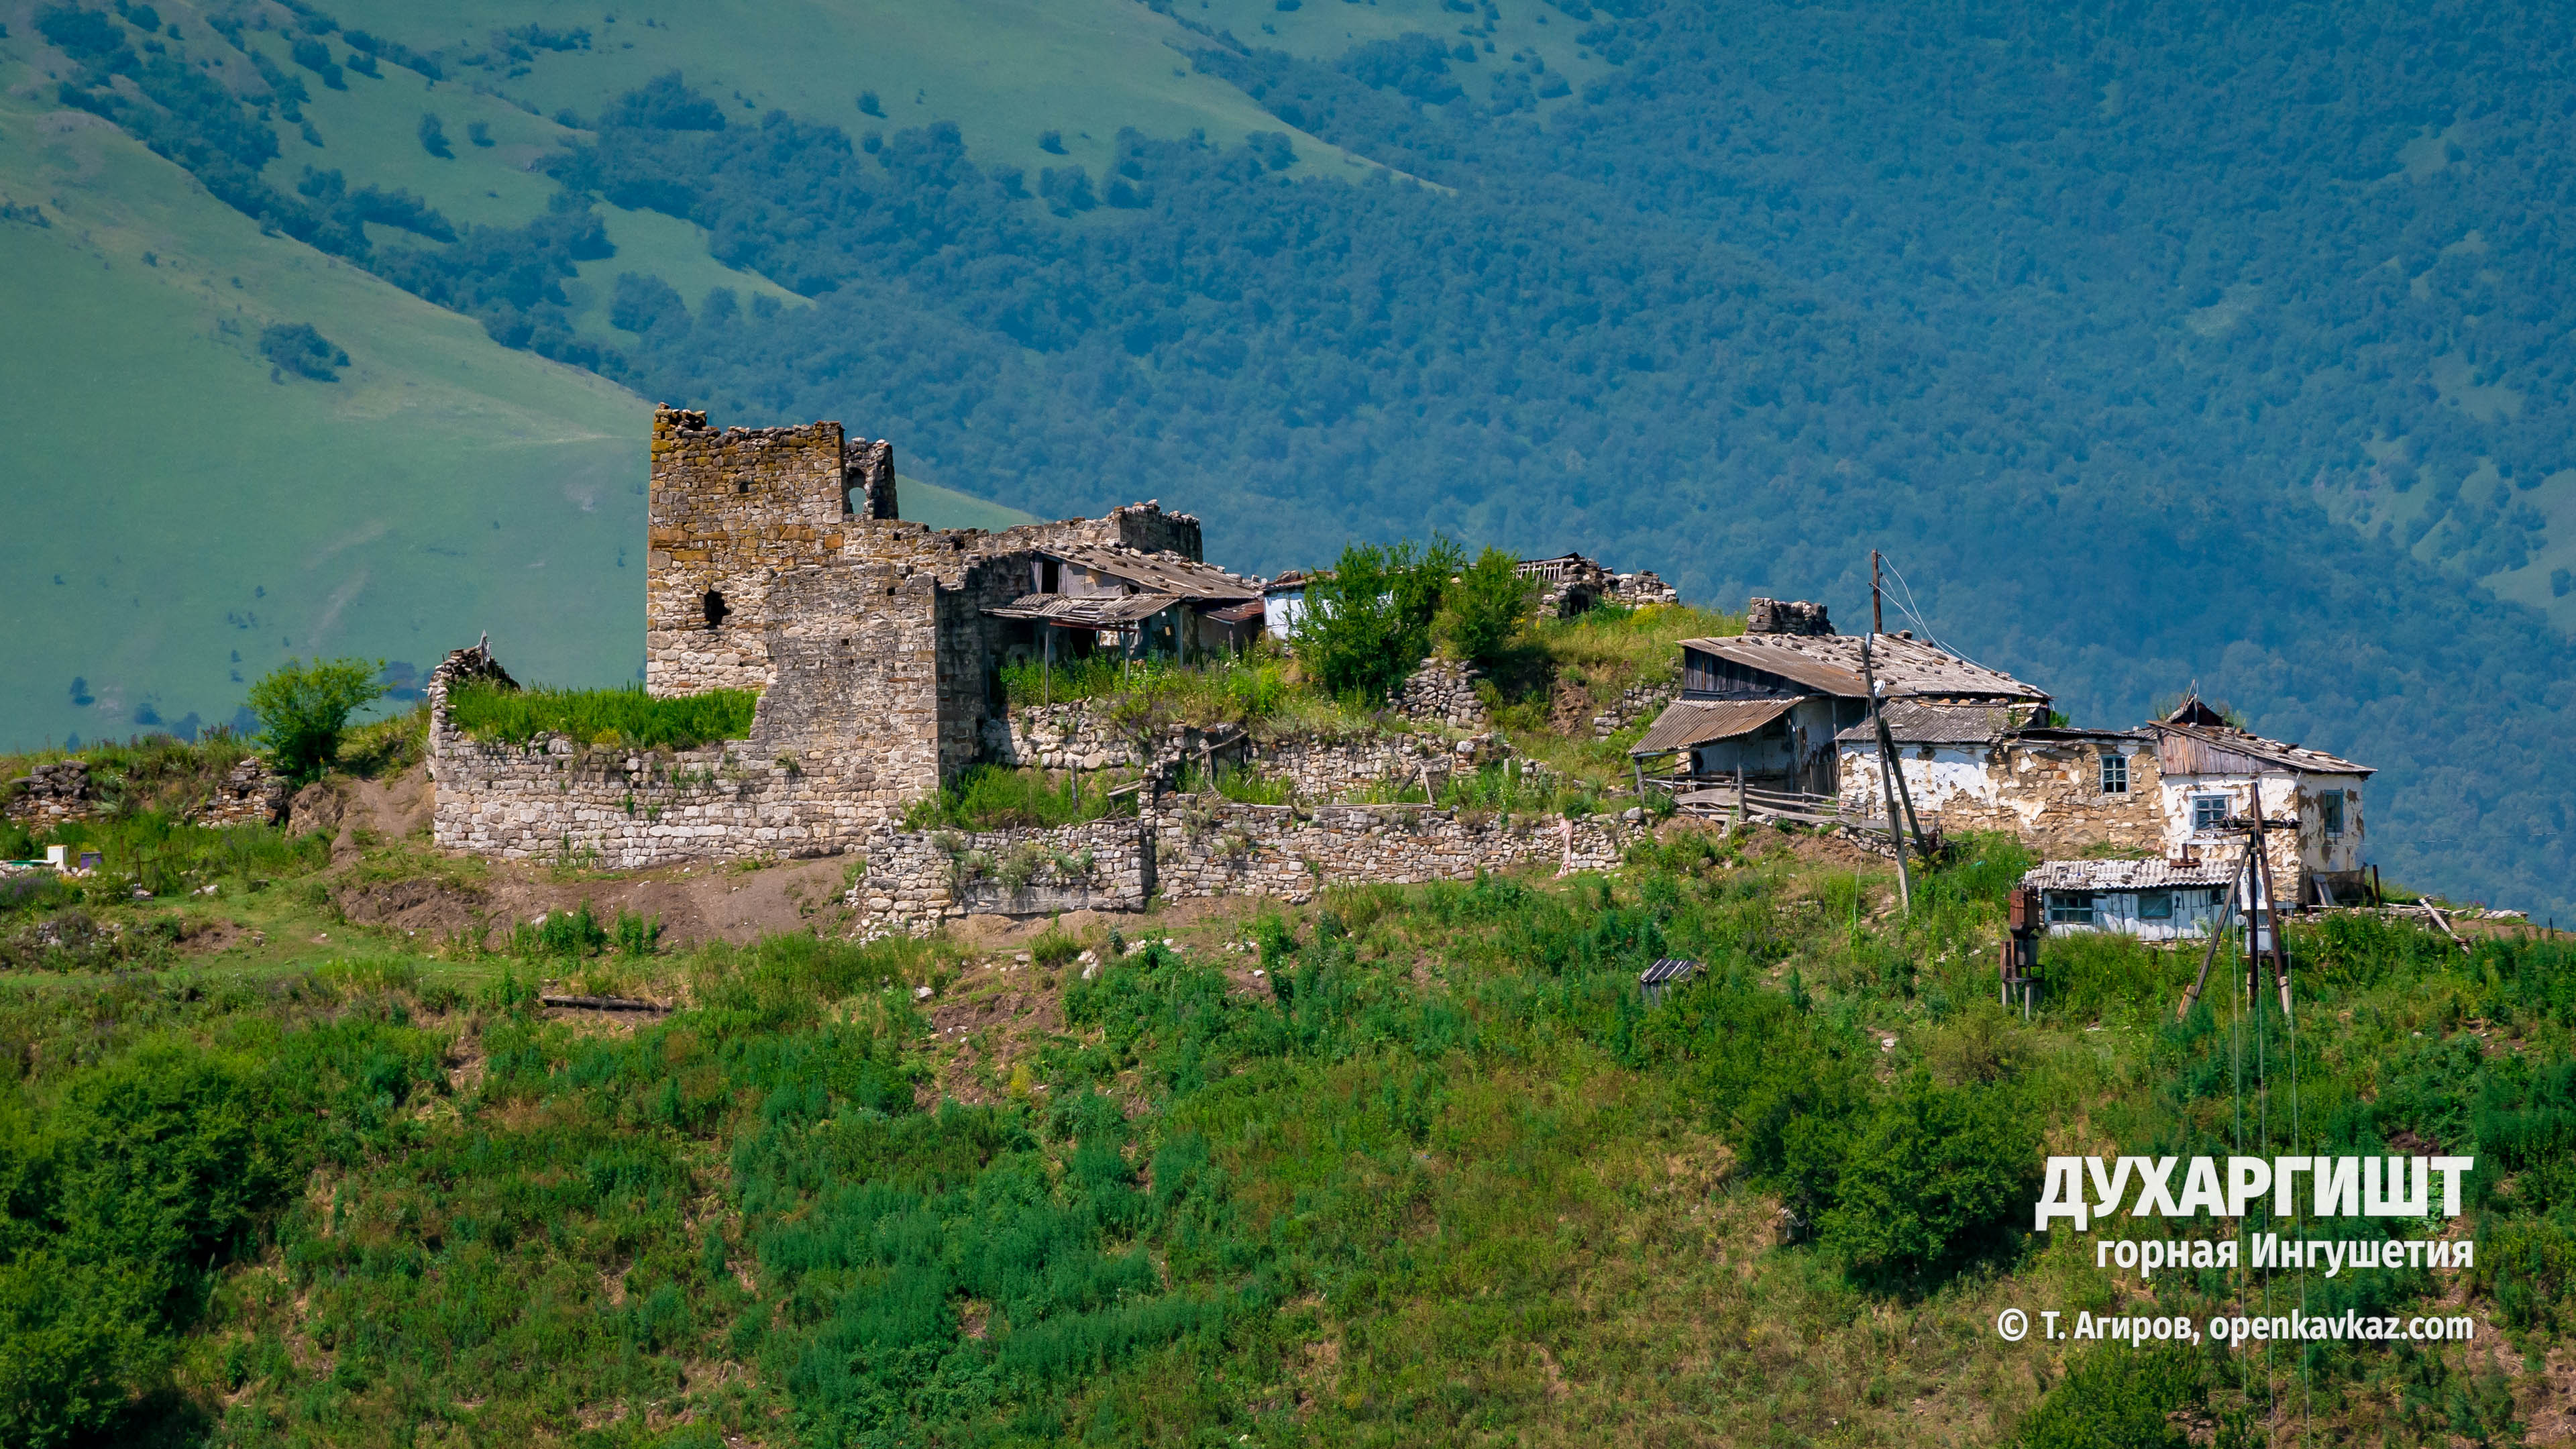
point(2146, 369)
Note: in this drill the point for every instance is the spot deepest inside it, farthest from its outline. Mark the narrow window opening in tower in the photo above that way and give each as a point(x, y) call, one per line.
point(716, 610)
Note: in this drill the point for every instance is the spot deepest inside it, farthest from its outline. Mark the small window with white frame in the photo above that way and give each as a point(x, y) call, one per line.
point(2115, 774)
point(2330, 806)
point(2207, 811)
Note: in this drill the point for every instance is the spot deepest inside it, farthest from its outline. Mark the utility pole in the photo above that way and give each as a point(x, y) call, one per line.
point(1877, 623)
point(1887, 771)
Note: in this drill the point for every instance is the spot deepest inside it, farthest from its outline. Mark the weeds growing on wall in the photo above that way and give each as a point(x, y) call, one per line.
point(996, 797)
point(625, 716)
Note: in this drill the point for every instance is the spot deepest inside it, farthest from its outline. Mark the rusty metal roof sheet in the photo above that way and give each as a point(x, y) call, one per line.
point(2124, 875)
point(1911, 723)
point(1830, 664)
point(1237, 613)
point(1086, 611)
point(1687, 722)
point(1157, 573)
point(2193, 749)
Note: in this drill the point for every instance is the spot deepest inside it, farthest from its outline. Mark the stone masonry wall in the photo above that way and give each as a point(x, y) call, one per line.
point(2048, 793)
point(728, 511)
point(1205, 846)
point(1443, 691)
point(913, 880)
point(1637, 702)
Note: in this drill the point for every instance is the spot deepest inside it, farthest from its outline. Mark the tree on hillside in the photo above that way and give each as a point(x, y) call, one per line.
point(1368, 622)
point(303, 708)
point(1487, 607)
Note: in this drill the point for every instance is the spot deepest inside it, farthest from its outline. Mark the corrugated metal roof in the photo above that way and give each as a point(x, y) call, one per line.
point(1157, 573)
point(1830, 664)
point(1086, 611)
point(1687, 722)
point(1237, 613)
point(2123, 875)
point(2192, 749)
point(1910, 723)
point(1668, 969)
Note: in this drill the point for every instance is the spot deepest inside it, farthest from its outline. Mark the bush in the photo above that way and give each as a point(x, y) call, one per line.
point(1485, 610)
point(297, 348)
point(303, 708)
point(625, 716)
point(433, 137)
point(2117, 1398)
point(1931, 1181)
point(1368, 622)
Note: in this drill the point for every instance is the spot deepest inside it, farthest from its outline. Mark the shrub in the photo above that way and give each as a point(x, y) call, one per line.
point(1368, 622)
point(302, 709)
point(1486, 609)
point(1932, 1180)
point(2117, 1398)
point(295, 347)
point(625, 716)
point(433, 137)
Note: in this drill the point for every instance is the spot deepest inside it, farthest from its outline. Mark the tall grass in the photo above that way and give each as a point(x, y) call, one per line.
point(624, 716)
point(996, 797)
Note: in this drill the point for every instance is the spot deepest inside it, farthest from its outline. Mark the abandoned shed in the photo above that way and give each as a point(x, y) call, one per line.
point(2154, 900)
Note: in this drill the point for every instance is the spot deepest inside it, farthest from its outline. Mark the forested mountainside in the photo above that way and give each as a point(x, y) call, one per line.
point(2157, 346)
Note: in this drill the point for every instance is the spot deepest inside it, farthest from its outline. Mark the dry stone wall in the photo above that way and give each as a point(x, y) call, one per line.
point(913, 880)
point(1205, 846)
point(1443, 691)
point(50, 795)
point(1637, 702)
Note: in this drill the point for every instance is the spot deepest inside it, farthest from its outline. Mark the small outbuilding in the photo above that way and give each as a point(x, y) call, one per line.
point(2154, 900)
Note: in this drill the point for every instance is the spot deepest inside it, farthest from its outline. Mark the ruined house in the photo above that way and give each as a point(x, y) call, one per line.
point(1772, 702)
point(777, 562)
point(2211, 776)
point(1570, 583)
point(1984, 767)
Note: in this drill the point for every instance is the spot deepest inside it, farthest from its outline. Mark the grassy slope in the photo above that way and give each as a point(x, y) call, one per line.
point(1463, 1199)
point(194, 508)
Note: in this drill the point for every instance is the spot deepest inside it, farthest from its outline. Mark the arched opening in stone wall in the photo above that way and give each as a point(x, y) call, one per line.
point(715, 606)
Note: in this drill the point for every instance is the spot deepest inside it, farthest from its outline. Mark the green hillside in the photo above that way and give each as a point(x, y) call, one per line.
point(2146, 370)
point(181, 515)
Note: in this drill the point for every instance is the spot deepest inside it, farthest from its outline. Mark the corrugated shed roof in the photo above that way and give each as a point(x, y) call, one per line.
point(1157, 573)
point(1237, 613)
point(1830, 664)
point(1910, 723)
point(1086, 611)
point(1687, 722)
point(2192, 749)
point(1668, 969)
point(2124, 875)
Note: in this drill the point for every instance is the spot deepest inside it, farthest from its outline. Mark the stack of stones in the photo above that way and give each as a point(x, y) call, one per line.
point(251, 795)
point(1785, 616)
point(1443, 691)
point(1643, 587)
point(51, 794)
point(1637, 702)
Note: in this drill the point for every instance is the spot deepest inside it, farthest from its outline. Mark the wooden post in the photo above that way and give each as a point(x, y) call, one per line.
point(1887, 784)
point(1877, 624)
point(1046, 664)
point(2217, 932)
point(1739, 791)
